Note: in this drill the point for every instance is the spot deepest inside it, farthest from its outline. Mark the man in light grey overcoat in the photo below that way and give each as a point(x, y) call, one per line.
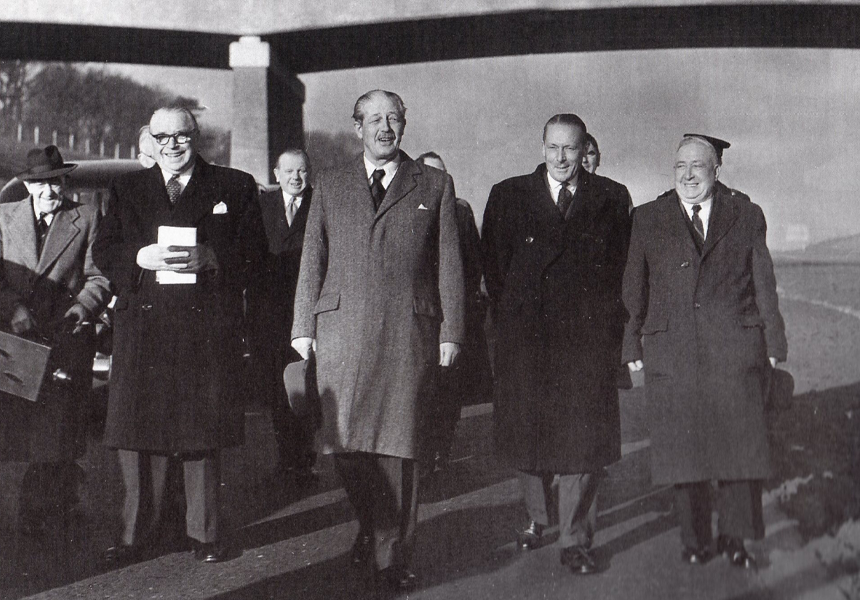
point(705, 324)
point(380, 300)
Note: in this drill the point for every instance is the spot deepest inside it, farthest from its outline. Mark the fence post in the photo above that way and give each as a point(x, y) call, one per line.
point(87, 145)
point(131, 151)
point(20, 132)
point(71, 141)
point(54, 137)
point(36, 135)
point(116, 151)
point(102, 148)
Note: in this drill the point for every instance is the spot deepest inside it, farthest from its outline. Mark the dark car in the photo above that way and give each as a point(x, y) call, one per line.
point(87, 184)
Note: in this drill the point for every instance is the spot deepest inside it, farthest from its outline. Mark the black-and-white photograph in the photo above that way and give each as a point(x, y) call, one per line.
point(521, 299)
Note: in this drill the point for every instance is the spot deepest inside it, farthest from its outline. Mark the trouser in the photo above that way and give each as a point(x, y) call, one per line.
point(738, 506)
point(145, 479)
point(577, 504)
point(383, 491)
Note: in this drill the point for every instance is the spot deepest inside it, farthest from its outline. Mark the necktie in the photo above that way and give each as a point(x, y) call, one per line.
point(291, 210)
point(564, 199)
point(697, 222)
point(42, 230)
point(376, 189)
point(174, 189)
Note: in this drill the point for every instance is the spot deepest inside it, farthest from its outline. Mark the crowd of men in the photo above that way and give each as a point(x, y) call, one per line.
point(375, 273)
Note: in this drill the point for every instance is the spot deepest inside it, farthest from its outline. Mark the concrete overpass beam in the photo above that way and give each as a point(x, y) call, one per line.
point(267, 108)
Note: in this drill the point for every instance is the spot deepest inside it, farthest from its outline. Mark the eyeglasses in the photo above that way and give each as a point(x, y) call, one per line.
point(181, 137)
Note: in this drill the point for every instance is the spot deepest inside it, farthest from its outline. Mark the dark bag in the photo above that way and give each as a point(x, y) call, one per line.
point(779, 390)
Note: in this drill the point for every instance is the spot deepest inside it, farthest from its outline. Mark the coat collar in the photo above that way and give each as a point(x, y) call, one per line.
point(723, 217)
point(405, 180)
point(61, 233)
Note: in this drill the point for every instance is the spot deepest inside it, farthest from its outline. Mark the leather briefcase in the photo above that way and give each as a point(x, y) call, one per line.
point(23, 364)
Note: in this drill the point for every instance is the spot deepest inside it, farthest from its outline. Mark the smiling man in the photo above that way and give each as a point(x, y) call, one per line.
point(270, 300)
point(706, 327)
point(177, 348)
point(380, 300)
point(555, 242)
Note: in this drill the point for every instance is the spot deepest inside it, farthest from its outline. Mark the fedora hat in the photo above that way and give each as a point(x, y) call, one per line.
point(45, 164)
point(300, 381)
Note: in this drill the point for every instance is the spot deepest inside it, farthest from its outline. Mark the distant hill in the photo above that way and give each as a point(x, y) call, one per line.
point(840, 250)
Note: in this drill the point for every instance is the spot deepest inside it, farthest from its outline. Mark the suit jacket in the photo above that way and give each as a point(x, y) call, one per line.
point(379, 290)
point(175, 385)
point(48, 285)
point(704, 322)
point(271, 294)
point(555, 287)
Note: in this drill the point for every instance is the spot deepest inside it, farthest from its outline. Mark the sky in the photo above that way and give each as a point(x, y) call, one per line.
point(791, 115)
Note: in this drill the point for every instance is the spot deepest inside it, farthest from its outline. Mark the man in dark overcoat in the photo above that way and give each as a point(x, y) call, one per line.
point(49, 290)
point(470, 379)
point(555, 243)
point(705, 323)
point(177, 347)
point(269, 314)
point(380, 298)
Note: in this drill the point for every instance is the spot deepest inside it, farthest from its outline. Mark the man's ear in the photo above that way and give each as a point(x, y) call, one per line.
point(358, 127)
point(717, 171)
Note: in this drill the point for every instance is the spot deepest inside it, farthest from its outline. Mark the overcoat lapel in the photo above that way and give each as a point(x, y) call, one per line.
point(61, 233)
point(404, 182)
point(29, 247)
point(723, 217)
point(677, 224)
point(300, 218)
point(153, 205)
point(548, 223)
point(196, 199)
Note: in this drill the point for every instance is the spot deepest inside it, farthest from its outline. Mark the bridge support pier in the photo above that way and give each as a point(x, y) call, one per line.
point(267, 108)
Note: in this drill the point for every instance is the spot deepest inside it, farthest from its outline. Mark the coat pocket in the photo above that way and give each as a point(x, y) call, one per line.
point(327, 302)
point(751, 321)
point(654, 325)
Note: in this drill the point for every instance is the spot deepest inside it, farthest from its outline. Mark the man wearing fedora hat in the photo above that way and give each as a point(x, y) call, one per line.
point(49, 289)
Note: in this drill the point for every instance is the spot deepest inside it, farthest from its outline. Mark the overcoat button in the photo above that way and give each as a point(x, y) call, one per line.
point(685, 264)
point(697, 305)
point(529, 240)
point(146, 306)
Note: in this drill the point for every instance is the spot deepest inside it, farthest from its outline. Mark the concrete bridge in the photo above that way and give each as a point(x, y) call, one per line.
point(269, 43)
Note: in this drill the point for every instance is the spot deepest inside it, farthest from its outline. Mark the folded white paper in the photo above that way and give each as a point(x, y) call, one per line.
point(176, 236)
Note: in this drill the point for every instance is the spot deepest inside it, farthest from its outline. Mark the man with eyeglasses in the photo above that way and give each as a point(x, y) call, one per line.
point(177, 336)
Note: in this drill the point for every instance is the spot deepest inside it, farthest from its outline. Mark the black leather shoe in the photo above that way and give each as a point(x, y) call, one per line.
point(579, 560)
point(734, 550)
point(121, 554)
point(400, 579)
point(209, 552)
point(530, 537)
point(362, 550)
point(696, 556)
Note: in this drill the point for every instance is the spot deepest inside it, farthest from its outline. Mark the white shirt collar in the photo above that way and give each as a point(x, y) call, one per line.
point(704, 214)
point(390, 169)
point(555, 187)
point(49, 217)
point(288, 197)
point(183, 178)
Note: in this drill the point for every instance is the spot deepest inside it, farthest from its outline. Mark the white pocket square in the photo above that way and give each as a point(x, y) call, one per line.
point(422, 207)
point(219, 209)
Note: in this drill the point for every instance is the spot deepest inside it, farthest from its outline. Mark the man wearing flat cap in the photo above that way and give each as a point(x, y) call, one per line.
point(49, 290)
point(705, 325)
